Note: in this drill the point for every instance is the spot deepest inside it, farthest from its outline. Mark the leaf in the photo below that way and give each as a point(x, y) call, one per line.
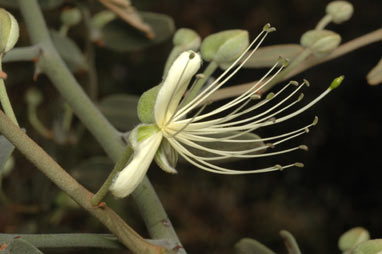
point(69, 51)
point(127, 12)
point(374, 77)
point(6, 149)
point(228, 146)
point(251, 246)
point(268, 56)
point(93, 171)
point(45, 4)
point(368, 247)
point(121, 37)
point(121, 110)
point(20, 246)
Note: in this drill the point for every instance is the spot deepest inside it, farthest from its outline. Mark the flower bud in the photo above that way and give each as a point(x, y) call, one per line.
point(321, 42)
point(224, 47)
point(340, 11)
point(369, 247)
point(33, 97)
point(352, 237)
point(186, 38)
point(9, 31)
point(71, 17)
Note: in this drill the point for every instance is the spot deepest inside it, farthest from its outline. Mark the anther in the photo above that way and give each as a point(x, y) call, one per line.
point(293, 82)
point(315, 121)
point(268, 28)
point(279, 167)
point(300, 97)
point(256, 97)
point(304, 147)
point(270, 145)
point(269, 96)
point(306, 82)
point(199, 76)
point(299, 164)
point(306, 130)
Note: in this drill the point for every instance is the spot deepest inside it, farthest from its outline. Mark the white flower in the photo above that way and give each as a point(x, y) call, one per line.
point(174, 130)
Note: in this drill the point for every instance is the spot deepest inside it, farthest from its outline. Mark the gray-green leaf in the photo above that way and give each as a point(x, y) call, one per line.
point(20, 246)
point(121, 37)
point(251, 246)
point(6, 149)
point(69, 51)
point(121, 110)
point(45, 4)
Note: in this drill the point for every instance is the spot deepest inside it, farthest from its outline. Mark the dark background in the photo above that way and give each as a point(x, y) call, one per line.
point(339, 187)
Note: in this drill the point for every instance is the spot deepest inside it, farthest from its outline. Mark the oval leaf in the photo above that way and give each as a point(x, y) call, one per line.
point(374, 77)
point(121, 110)
point(69, 52)
point(20, 246)
point(251, 246)
point(93, 171)
point(6, 149)
point(268, 56)
point(45, 4)
point(121, 37)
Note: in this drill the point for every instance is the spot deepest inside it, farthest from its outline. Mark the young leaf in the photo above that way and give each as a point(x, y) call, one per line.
point(121, 37)
point(121, 110)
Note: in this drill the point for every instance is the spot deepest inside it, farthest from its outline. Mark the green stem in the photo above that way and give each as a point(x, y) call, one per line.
point(324, 22)
point(36, 123)
point(29, 53)
point(4, 99)
point(290, 242)
point(50, 62)
point(212, 66)
point(101, 193)
point(70, 186)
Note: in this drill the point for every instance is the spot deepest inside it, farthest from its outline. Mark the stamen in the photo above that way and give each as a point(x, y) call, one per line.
point(216, 85)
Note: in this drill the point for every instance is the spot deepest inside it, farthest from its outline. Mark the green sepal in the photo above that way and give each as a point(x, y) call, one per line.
point(166, 157)
point(146, 105)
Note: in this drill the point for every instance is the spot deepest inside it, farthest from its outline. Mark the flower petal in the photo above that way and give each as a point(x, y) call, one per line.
point(144, 152)
point(166, 157)
point(175, 85)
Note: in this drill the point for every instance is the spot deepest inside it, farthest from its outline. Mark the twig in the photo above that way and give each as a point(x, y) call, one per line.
point(70, 186)
point(109, 138)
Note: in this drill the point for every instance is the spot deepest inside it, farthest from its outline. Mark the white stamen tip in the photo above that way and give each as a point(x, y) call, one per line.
point(269, 96)
point(315, 121)
point(304, 147)
point(306, 82)
point(279, 167)
point(270, 145)
point(293, 82)
point(306, 130)
point(268, 28)
point(300, 97)
point(299, 164)
point(256, 97)
point(199, 76)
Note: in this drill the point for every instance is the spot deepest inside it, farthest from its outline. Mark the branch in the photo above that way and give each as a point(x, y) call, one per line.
point(52, 65)
point(70, 186)
point(29, 53)
point(345, 48)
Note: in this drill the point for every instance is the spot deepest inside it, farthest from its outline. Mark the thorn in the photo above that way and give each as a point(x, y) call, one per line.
point(3, 75)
